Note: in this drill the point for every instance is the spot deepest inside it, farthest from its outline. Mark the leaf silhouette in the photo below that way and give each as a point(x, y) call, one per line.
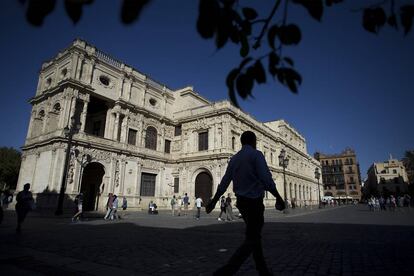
point(259, 72)
point(407, 14)
point(231, 77)
point(373, 19)
point(314, 7)
point(271, 36)
point(244, 85)
point(37, 10)
point(208, 18)
point(131, 10)
point(74, 8)
point(249, 13)
point(289, 34)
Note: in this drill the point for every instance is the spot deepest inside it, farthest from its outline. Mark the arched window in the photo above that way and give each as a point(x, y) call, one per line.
point(151, 138)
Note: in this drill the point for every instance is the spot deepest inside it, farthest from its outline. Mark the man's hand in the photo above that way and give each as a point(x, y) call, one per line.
point(280, 204)
point(211, 205)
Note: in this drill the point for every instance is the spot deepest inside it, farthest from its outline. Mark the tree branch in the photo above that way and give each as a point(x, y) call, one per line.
point(266, 25)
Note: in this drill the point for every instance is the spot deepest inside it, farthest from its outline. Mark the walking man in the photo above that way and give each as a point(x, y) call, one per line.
point(185, 203)
point(78, 202)
point(109, 206)
point(173, 205)
point(229, 209)
point(199, 201)
point(251, 178)
point(222, 208)
point(25, 203)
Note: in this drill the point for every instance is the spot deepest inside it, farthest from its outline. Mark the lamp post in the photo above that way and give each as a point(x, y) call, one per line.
point(284, 162)
point(318, 176)
point(68, 131)
point(86, 159)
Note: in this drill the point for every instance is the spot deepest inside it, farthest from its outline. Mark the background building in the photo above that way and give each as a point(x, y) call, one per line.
point(388, 177)
point(341, 176)
point(133, 136)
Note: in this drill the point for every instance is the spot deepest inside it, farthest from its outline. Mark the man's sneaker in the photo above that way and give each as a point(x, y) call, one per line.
point(219, 219)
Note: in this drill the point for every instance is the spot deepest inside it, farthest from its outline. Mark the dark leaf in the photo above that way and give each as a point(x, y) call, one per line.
point(230, 85)
point(314, 7)
point(208, 18)
point(373, 19)
point(290, 78)
point(289, 61)
point(260, 74)
point(244, 50)
point(38, 9)
point(274, 60)
point(331, 2)
point(224, 28)
point(249, 13)
point(74, 8)
point(244, 85)
point(392, 21)
point(289, 34)
point(271, 35)
point(244, 62)
point(131, 10)
point(246, 27)
point(407, 15)
point(235, 35)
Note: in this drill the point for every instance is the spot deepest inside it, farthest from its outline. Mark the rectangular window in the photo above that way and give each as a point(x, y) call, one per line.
point(96, 128)
point(167, 147)
point(203, 141)
point(177, 130)
point(176, 185)
point(148, 184)
point(132, 137)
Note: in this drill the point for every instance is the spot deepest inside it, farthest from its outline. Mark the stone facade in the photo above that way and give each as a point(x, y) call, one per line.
point(341, 176)
point(137, 138)
point(387, 177)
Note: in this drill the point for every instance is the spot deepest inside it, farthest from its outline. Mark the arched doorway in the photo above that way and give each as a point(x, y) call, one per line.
point(91, 181)
point(204, 186)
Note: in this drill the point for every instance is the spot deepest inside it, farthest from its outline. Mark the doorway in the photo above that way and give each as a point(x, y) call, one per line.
point(204, 187)
point(91, 181)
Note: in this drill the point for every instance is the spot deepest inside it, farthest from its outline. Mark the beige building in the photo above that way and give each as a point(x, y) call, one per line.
point(387, 177)
point(341, 177)
point(137, 138)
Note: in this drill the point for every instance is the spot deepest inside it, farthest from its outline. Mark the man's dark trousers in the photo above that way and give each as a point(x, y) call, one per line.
point(252, 212)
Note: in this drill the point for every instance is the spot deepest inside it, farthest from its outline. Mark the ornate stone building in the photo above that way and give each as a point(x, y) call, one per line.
point(341, 176)
point(137, 138)
point(388, 177)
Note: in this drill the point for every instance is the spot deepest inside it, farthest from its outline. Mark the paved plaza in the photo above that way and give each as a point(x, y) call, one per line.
point(345, 240)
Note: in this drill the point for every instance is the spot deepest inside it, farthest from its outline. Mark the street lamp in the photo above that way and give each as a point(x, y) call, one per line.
point(284, 162)
point(318, 176)
point(68, 131)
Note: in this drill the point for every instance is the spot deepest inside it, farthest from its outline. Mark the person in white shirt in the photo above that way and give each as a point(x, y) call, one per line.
point(199, 201)
point(251, 178)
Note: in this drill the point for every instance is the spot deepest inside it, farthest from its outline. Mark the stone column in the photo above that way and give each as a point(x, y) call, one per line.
point(121, 87)
point(30, 130)
point(74, 65)
point(108, 124)
point(79, 68)
point(89, 78)
point(83, 116)
point(116, 127)
point(124, 130)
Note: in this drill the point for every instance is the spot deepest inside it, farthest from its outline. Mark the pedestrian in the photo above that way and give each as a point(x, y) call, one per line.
point(251, 177)
point(222, 208)
point(78, 203)
point(229, 208)
point(186, 202)
point(109, 206)
point(2, 199)
point(382, 203)
point(124, 206)
point(178, 205)
point(25, 204)
point(393, 203)
point(198, 204)
point(114, 210)
point(173, 202)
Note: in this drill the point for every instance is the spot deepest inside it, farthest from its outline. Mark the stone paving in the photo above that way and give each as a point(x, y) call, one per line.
point(347, 240)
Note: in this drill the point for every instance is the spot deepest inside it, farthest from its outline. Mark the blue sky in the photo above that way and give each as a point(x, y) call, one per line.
point(357, 88)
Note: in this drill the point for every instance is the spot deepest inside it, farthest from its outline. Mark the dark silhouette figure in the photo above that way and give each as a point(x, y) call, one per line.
point(251, 178)
point(25, 203)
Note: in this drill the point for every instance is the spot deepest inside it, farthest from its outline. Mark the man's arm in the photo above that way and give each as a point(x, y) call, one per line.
point(221, 189)
point(265, 177)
